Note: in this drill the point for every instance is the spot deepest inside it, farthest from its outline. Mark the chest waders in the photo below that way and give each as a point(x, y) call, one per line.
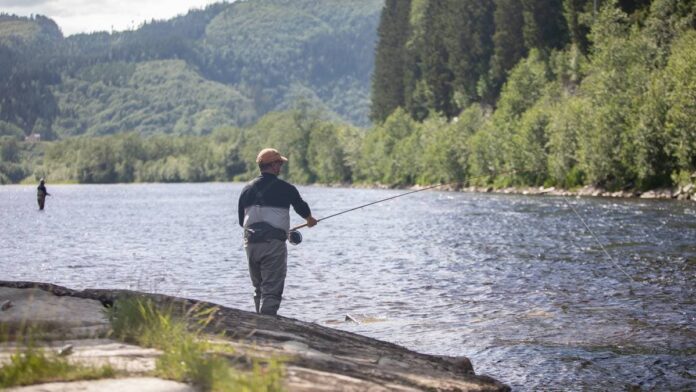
point(267, 256)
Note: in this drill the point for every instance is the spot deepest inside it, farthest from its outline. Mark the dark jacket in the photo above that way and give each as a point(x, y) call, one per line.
point(268, 199)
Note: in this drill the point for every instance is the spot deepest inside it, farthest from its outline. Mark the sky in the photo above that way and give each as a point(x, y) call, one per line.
point(86, 16)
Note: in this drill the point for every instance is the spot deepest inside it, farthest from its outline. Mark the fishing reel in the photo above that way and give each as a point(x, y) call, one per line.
point(294, 237)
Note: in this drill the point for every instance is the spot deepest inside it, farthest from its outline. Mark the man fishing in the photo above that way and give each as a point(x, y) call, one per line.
point(264, 213)
point(41, 194)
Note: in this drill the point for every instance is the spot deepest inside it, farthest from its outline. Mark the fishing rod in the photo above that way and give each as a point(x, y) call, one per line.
point(294, 229)
point(295, 237)
point(374, 202)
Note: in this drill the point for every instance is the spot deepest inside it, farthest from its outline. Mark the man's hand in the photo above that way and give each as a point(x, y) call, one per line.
point(311, 222)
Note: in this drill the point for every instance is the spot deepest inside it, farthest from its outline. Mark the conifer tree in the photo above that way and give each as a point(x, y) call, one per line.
point(390, 58)
point(469, 32)
point(437, 75)
point(577, 29)
point(508, 47)
point(544, 25)
point(417, 93)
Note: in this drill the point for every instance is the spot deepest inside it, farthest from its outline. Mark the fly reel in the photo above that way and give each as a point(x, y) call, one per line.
point(294, 237)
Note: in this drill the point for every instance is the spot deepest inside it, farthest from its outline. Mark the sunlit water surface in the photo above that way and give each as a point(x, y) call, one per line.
point(515, 283)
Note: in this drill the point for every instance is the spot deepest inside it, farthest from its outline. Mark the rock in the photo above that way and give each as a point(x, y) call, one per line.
point(390, 362)
point(6, 304)
point(316, 357)
point(476, 189)
point(51, 315)
point(663, 193)
point(363, 318)
point(685, 192)
point(122, 356)
point(140, 384)
point(590, 190)
point(307, 352)
point(277, 335)
point(65, 350)
point(460, 364)
point(352, 319)
point(295, 346)
point(97, 352)
point(621, 194)
point(303, 379)
point(689, 191)
point(559, 192)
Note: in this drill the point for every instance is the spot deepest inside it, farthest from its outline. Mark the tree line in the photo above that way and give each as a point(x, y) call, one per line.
point(537, 92)
point(319, 150)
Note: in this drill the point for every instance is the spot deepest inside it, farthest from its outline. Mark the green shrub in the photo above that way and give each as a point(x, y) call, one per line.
point(187, 356)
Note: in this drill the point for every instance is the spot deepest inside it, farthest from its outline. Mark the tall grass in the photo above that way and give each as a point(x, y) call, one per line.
point(187, 356)
point(33, 366)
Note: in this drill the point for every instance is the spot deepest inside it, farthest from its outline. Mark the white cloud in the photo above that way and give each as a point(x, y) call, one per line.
point(85, 16)
point(19, 3)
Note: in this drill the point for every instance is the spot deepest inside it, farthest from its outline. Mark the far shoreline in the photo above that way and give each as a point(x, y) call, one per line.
point(681, 193)
point(686, 193)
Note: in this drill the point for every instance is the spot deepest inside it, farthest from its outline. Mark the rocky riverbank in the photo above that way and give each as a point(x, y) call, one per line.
point(679, 193)
point(686, 192)
point(314, 357)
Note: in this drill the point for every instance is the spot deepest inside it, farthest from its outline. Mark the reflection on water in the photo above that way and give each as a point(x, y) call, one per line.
point(516, 283)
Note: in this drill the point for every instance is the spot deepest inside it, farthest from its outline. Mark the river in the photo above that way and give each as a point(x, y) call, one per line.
point(516, 283)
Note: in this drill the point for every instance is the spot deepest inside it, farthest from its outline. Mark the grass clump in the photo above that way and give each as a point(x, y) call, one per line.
point(186, 355)
point(33, 366)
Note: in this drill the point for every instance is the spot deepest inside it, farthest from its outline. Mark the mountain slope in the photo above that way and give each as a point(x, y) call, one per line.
point(229, 64)
point(148, 97)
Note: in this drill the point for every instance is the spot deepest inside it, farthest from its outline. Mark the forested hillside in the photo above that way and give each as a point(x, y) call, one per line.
point(227, 64)
point(536, 92)
point(27, 74)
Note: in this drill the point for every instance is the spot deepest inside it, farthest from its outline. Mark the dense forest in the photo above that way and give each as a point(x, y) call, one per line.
point(558, 93)
point(536, 92)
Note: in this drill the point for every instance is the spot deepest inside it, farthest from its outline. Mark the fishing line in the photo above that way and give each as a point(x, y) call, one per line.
point(374, 202)
point(577, 214)
point(295, 237)
point(397, 196)
point(294, 229)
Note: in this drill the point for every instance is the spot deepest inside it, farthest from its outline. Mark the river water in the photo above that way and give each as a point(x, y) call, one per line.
point(515, 283)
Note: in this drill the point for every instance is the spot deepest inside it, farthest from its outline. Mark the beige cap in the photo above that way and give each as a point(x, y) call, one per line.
point(269, 155)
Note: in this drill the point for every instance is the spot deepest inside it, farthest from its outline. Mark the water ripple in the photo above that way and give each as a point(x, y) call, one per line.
point(516, 283)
